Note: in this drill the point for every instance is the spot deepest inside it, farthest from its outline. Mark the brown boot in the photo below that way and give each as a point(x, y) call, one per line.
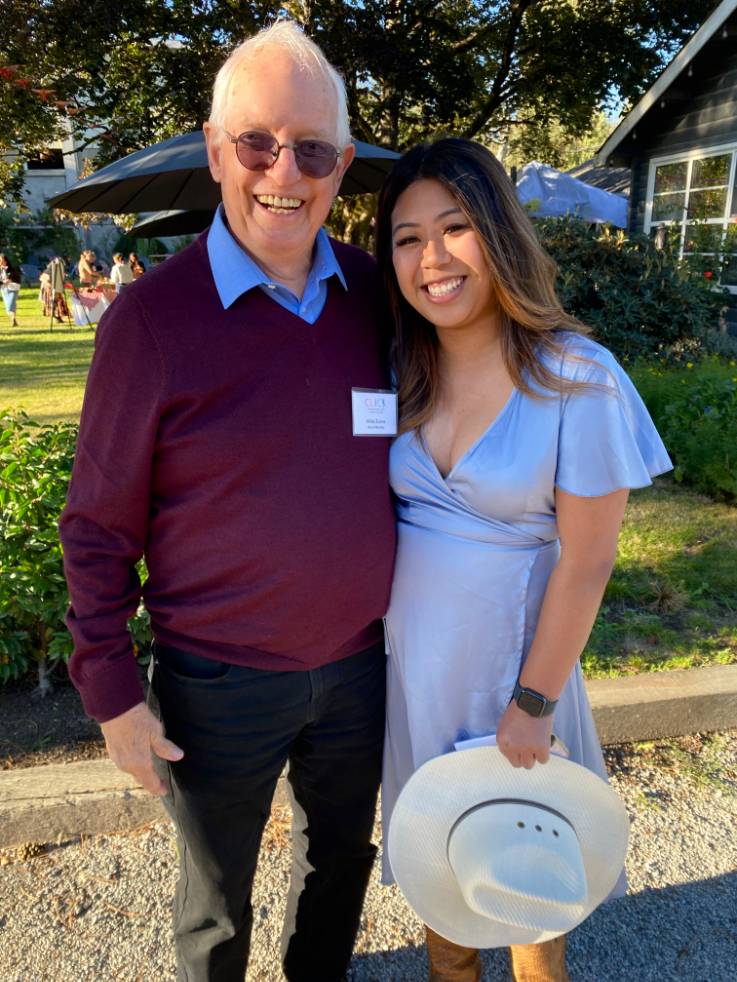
point(451, 962)
point(545, 962)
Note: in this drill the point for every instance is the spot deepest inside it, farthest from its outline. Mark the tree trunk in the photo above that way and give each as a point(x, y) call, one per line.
point(44, 686)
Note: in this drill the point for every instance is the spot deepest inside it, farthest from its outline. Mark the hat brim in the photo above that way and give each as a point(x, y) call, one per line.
point(445, 788)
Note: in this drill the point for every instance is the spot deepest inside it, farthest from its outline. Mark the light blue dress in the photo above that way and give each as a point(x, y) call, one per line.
point(10, 299)
point(475, 553)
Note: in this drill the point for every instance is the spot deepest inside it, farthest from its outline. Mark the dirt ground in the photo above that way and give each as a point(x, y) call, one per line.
point(50, 730)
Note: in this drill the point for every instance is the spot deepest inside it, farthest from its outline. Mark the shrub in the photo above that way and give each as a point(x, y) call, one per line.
point(701, 430)
point(638, 301)
point(42, 234)
point(36, 464)
point(695, 410)
point(125, 245)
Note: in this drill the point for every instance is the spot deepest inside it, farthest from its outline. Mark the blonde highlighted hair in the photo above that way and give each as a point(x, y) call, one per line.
point(534, 326)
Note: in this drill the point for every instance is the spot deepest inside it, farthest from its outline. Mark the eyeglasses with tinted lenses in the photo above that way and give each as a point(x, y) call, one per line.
point(259, 151)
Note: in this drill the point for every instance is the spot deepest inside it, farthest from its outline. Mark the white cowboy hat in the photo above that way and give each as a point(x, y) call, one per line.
point(489, 855)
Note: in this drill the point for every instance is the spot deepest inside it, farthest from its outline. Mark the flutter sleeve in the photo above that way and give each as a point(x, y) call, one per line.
point(607, 439)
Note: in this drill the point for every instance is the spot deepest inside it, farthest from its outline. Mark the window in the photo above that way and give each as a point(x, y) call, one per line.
point(692, 204)
point(52, 159)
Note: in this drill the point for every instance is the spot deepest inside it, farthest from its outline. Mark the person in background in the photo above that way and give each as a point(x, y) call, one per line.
point(10, 287)
point(87, 273)
point(121, 274)
point(137, 267)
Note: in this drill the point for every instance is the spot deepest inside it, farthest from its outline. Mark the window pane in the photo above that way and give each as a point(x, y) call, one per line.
point(665, 236)
point(729, 257)
point(730, 238)
point(711, 171)
point(668, 207)
point(51, 160)
point(671, 177)
point(707, 204)
point(729, 272)
point(734, 196)
point(702, 238)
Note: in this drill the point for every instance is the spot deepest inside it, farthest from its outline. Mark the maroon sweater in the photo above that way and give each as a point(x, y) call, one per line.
point(219, 443)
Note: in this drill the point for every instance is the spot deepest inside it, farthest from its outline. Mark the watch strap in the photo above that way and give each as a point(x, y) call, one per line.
point(532, 702)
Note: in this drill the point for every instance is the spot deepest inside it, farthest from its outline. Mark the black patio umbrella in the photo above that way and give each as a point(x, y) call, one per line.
point(173, 175)
point(165, 223)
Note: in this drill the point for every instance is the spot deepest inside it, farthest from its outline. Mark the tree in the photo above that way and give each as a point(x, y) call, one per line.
point(122, 77)
point(551, 143)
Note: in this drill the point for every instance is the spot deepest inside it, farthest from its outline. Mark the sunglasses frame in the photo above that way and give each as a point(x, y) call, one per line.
point(283, 146)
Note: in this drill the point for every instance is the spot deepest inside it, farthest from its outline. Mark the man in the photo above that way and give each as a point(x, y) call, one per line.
point(216, 437)
point(121, 274)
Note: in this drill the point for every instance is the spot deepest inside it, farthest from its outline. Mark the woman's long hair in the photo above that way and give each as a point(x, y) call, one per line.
point(523, 277)
point(12, 272)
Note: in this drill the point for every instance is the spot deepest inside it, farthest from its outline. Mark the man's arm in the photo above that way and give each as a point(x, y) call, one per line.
point(103, 530)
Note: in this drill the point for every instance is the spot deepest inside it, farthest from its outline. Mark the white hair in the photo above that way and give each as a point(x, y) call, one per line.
point(285, 34)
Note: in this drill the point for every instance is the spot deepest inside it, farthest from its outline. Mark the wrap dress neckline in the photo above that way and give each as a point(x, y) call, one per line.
point(469, 452)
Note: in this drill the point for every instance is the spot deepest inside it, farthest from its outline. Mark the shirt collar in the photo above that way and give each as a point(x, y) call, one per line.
point(235, 272)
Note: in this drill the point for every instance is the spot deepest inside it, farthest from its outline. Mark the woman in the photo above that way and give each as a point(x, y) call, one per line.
point(518, 441)
point(10, 287)
point(87, 274)
point(137, 267)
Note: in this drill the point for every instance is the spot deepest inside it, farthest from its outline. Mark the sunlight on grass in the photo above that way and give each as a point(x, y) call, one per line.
point(42, 371)
point(676, 544)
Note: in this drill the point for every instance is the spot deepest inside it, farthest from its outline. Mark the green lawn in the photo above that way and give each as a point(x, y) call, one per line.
point(42, 371)
point(672, 599)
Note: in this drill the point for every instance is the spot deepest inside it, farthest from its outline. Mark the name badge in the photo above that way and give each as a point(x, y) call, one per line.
point(374, 412)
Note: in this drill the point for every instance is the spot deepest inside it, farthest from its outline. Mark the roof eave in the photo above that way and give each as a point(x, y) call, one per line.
point(687, 53)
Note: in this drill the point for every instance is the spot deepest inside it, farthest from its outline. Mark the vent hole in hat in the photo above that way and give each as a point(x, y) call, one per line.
point(538, 828)
point(555, 833)
point(521, 825)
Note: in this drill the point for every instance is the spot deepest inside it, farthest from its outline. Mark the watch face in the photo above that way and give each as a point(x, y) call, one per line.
point(531, 704)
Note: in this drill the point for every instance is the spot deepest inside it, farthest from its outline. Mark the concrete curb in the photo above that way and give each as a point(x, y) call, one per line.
point(39, 804)
point(664, 704)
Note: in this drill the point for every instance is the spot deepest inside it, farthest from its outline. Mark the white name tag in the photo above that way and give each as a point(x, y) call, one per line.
point(374, 412)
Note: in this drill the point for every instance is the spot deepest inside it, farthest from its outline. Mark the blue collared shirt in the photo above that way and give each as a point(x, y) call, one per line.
point(235, 273)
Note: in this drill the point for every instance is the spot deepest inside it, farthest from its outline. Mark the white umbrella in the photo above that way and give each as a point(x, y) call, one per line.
point(560, 194)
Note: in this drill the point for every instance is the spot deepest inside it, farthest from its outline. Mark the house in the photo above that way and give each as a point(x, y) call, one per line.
point(615, 180)
point(680, 141)
point(57, 170)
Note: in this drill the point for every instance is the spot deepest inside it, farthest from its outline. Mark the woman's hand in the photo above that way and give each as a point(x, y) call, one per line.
point(524, 739)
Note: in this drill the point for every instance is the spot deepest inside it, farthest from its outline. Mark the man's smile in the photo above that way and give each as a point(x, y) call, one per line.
point(277, 205)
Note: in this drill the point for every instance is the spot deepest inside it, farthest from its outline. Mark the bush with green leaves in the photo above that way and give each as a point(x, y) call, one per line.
point(701, 432)
point(42, 234)
point(639, 302)
point(35, 469)
point(695, 410)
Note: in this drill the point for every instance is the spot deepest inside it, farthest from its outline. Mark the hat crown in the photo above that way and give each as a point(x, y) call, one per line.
point(520, 864)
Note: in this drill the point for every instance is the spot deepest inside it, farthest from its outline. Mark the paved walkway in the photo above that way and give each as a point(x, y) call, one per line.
point(99, 909)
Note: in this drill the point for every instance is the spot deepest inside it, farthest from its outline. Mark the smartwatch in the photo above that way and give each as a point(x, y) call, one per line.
point(532, 702)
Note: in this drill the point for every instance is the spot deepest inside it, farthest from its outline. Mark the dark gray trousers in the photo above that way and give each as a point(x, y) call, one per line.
point(238, 727)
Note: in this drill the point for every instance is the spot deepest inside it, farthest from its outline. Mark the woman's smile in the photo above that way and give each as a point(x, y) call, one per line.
point(443, 291)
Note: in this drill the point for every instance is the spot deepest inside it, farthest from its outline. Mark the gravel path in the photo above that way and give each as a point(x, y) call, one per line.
point(99, 908)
